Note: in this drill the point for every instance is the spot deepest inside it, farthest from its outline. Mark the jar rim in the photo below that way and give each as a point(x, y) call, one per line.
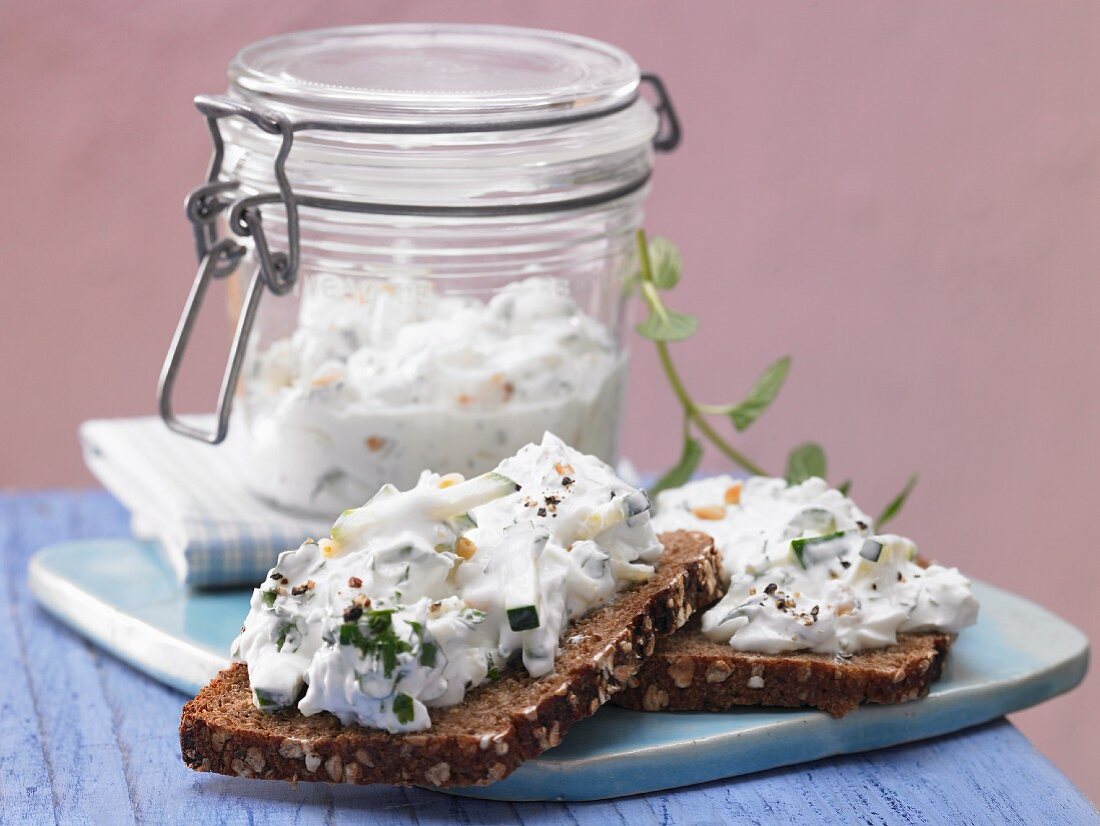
point(427, 74)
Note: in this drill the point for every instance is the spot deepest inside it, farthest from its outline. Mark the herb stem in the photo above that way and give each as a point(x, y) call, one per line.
point(716, 409)
point(692, 412)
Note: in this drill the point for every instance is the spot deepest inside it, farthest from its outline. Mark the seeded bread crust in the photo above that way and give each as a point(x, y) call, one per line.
point(484, 738)
point(689, 672)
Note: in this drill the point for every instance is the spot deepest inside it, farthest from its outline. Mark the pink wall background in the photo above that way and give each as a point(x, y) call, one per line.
point(905, 197)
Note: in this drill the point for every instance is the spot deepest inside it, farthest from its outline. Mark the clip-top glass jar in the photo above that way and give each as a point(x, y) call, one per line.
point(446, 215)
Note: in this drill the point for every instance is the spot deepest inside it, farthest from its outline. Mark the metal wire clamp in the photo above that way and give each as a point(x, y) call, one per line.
point(277, 271)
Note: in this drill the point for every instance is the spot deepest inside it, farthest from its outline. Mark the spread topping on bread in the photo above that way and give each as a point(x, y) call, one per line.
point(420, 595)
point(807, 571)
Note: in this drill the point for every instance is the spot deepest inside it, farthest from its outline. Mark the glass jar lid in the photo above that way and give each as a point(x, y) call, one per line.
point(433, 74)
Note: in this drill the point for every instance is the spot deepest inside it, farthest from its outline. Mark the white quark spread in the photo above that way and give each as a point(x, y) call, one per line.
point(422, 594)
point(808, 572)
point(378, 383)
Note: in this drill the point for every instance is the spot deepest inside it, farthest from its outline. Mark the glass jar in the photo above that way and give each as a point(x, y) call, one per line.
point(447, 214)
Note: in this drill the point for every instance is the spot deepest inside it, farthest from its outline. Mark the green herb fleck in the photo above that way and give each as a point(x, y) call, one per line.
point(428, 649)
point(269, 598)
point(380, 642)
point(403, 708)
point(284, 629)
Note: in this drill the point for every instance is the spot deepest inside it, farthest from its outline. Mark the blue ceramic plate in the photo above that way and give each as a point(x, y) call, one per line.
point(1016, 656)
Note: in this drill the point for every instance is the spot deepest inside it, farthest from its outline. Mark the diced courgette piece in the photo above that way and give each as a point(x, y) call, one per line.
point(523, 618)
point(798, 546)
point(519, 576)
point(465, 496)
point(871, 550)
point(635, 506)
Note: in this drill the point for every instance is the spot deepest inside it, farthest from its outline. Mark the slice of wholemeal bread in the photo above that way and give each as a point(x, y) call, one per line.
point(482, 739)
point(689, 672)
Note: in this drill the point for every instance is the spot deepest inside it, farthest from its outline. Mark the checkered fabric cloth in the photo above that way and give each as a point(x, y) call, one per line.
point(191, 498)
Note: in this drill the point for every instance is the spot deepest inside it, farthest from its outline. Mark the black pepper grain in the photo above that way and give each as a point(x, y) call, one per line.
point(353, 613)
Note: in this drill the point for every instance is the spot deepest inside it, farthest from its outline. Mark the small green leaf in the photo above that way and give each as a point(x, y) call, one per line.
point(804, 462)
point(664, 263)
point(269, 598)
point(897, 503)
point(284, 629)
point(845, 486)
point(428, 651)
point(680, 474)
point(672, 326)
point(761, 395)
point(403, 708)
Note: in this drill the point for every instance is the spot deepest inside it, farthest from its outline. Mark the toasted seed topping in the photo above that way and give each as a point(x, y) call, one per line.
point(733, 494)
point(465, 548)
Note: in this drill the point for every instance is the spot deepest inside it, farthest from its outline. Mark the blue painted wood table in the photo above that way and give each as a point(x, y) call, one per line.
point(86, 739)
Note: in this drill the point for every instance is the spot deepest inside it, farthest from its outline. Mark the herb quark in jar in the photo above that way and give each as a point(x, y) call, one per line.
point(446, 215)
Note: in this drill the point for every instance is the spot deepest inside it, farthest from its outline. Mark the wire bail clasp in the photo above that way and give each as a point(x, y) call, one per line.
point(219, 258)
point(668, 136)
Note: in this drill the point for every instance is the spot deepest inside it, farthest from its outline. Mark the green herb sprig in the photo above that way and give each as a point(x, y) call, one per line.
point(659, 271)
point(379, 640)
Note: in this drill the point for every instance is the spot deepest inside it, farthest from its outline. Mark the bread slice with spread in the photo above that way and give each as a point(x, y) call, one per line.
point(443, 635)
point(820, 611)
